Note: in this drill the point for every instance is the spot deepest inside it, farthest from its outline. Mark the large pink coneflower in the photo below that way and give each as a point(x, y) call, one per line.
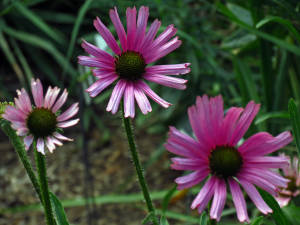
point(216, 155)
point(43, 122)
point(293, 189)
point(130, 65)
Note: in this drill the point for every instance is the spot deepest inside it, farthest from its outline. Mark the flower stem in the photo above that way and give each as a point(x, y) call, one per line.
point(19, 148)
point(42, 172)
point(138, 168)
point(212, 222)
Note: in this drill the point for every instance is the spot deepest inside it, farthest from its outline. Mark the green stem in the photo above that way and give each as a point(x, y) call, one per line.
point(212, 222)
point(138, 168)
point(42, 172)
point(20, 149)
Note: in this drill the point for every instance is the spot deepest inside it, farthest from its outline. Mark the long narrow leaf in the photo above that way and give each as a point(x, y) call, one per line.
point(295, 120)
point(59, 211)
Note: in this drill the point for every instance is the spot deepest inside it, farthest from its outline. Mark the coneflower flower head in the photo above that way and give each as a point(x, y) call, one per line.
point(216, 155)
point(41, 122)
point(130, 64)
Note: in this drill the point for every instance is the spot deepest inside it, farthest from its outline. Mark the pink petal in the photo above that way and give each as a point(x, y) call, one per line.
point(142, 85)
point(266, 162)
point(95, 62)
point(141, 27)
point(129, 109)
point(61, 137)
point(40, 145)
point(116, 96)
point(244, 122)
point(68, 123)
point(219, 200)
point(107, 36)
point(48, 97)
point(150, 35)
point(68, 113)
point(238, 200)
point(53, 97)
point(166, 81)
point(50, 145)
point(191, 179)
point(100, 85)
point(28, 141)
point(283, 201)
point(103, 73)
point(142, 101)
point(37, 92)
point(17, 125)
point(23, 102)
point(22, 131)
point(263, 143)
point(172, 69)
point(114, 16)
point(13, 114)
point(131, 27)
point(62, 99)
point(255, 197)
point(189, 164)
point(101, 55)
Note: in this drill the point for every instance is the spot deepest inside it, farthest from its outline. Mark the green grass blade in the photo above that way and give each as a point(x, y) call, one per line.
point(163, 220)
point(271, 115)
point(257, 220)
point(59, 211)
point(295, 120)
point(203, 219)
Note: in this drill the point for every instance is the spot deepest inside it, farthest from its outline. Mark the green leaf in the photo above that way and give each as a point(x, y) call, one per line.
point(148, 218)
point(277, 215)
point(295, 120)
point(163, 220)
point(203, 219)
point(167, 198)
point(257, 220)
point(271, 115)
point(59, 211)
point(241, 13)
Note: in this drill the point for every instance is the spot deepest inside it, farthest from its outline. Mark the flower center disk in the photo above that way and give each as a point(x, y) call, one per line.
point(225, 161)
point(130, 65)
point(41, 122)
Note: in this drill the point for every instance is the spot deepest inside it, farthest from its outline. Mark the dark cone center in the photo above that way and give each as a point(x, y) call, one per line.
point(225, 161)
point(130, 65)
point(41, 122)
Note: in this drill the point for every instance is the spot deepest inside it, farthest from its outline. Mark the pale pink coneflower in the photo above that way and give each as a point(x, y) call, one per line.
point(130, 65)
point(41, 122)
point(216, 155)
point(293, 189)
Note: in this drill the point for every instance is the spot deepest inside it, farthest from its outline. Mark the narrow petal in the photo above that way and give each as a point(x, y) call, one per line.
point(69, 113)
point(100, 85)
point(13, 114)
point(61, 137)
point(101, 73)
point(50, 145)
point(150, 34)
point(191, 179)
point(131, 27)
point(172, 69)
point(283, 201)
point(40, 145)
point(53, 97)
point(141, 27)
point(218, 200)
point(62, 99)
point(142, 101)
point(266, 162)
point(28, 141)
point(22, 131)
point(48, 96)
point(189, 164)
point(95, 62)
point(37, 92)
point(102, 56)
point(68, 123)
point(142, 85)
point(172, 82)
point(107, 36)
point(255, 197)
point(114, 16)
point(129, 109)
point(244, 122)
point(23, 102)
point(238, 200)
point(116, 96)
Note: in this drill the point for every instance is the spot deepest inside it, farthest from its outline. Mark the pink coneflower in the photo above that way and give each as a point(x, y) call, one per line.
point(130, 65)
point(42, 122)
point(215, 154)
point(293, 189)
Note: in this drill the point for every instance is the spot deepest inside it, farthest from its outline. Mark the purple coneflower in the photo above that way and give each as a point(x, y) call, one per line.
point(293, 189)
point(130, 65)
point(215, 154)
point(42, 122)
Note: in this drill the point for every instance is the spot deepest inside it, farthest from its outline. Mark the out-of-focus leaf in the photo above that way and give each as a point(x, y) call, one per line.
point(257, 220)
point(148, 218)
point(295, 120)
point(163, 220)
point(271, 115)
point(59, 211)
point(167, 198)
point(241, 13)
point(203, 219)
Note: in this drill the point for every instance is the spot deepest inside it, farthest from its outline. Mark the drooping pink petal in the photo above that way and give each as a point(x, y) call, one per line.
point(244, 122)
point(50, 145)
point(150, 34)
point(116, 96)
point(263, 143)
point(131, 27)
point(191, 179)
point(101, 55)
point(266, 162)
point(61, 100)
point(114, 16)
point(100, 85)
point(28, 141)
point(61, 137)
point(142, 101)
point(172, 69)
point(172, 82)
point(17, 125)
point(141, 27)
point(68, 123)
point(142, 85)
point(13, 114)
point(238, 200)
point(69, 113)
point(37, 92)
point(95, 62)
point(40, 145)
point(102, 73)
point(107, 36)
point(129, 109)
point(188, 164)
point(255, 197)
point(282, 200)
point(22, 131)
point(218, 200)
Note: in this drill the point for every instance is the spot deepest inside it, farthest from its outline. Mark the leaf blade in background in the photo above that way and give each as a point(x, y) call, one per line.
point(295, 120)
point(59, 211)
